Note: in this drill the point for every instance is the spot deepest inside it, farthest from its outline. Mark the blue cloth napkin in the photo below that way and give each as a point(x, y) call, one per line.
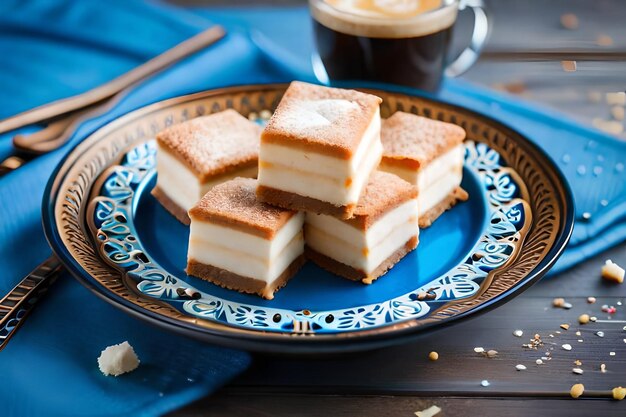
point(49, 50)
point(54, 49)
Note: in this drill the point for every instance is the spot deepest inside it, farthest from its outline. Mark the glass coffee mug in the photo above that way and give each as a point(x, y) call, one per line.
point(395, 41)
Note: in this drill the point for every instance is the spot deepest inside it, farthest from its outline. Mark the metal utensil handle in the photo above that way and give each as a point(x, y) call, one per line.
point(482, 28)
point(16, 305)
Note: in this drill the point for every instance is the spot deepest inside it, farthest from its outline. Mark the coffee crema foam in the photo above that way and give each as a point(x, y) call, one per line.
point(385, 18)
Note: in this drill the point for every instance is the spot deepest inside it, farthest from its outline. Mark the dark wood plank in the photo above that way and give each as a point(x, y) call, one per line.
point(523, 26)
point(302, 405)
point(546, 83)
point(459, 370)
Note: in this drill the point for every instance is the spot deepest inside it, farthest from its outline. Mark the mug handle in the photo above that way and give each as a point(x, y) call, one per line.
point(482, 28)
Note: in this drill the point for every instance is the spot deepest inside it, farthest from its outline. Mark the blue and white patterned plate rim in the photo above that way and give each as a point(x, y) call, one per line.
point(119, 245)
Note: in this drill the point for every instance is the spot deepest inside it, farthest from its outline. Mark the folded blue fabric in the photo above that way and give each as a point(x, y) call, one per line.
point(52, 49)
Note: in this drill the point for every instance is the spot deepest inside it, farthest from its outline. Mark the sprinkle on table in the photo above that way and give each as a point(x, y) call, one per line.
point(619, 393)
point(618, 113)
point(616, 99)
point(492, 353)
point(583, 319)
point(539, 362)
point(611, 353)
point(484, 383)
point(564, 326)
point(431, 411)
point(591, 300)
point(567, 346)
point(558, 302)
point(520, 367)
point(609, 126)
point(577, 371)
point(577, 362)
point(479, 350)
point(603, 368)
point(577, 390)
point(569, 21)
point(600, 333)
point(433, 356)
point(518, 333)
point(568, 66)
point(604, 40)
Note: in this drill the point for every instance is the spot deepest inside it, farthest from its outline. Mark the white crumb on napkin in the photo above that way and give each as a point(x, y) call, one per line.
point(429, 412)
point(118, 359)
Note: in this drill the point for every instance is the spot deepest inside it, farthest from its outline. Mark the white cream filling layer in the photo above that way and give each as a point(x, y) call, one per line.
point(319, 185)
point(439, 190)
point(246, 254)
point(431, 173)
point(362, 250)
point(326, 178)
point(181, 185)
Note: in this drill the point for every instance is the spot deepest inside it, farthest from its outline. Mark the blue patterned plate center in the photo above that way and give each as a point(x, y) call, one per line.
point(455, 255)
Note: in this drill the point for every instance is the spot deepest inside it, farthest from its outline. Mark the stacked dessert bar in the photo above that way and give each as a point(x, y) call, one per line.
point(318, 195)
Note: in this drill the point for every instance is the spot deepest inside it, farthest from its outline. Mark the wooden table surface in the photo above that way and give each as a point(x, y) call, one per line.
point(524, 56)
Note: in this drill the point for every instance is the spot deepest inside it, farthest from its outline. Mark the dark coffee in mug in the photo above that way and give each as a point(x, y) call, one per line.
point(395, 41)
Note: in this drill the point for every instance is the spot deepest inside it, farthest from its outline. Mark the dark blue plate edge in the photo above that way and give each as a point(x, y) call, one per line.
point(264, 342)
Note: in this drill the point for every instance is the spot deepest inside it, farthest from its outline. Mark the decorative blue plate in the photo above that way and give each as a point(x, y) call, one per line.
point(105, 226)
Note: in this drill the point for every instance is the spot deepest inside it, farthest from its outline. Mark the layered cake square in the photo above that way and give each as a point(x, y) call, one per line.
point(319, 148)
point(429, 154)
point(383, 230)
point(240, 243)
point(194, 156)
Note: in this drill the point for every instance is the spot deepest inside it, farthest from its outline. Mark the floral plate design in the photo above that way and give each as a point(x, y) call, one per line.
point(116, 239)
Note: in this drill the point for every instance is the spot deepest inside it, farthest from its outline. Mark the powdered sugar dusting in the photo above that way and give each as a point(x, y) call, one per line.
point(324, 116)
point(307, 114)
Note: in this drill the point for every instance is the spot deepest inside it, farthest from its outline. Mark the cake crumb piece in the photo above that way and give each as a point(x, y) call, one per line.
point(616, 99)
point(613, 272)
point(594, 96)
point(617, 112)
point(608, 126)
point(577, 390)
point(568, 66)
point(619, 393)
point(604, 40)
point(118, 359)
point(569, 21)
point(431, 411)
